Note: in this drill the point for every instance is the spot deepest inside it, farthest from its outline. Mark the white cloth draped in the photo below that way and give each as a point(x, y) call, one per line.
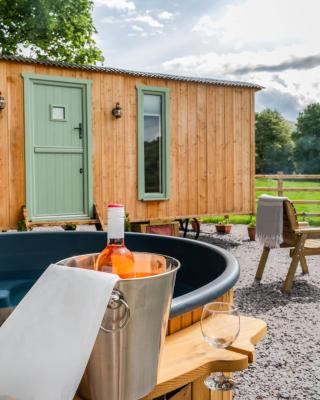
point(46, 342)
point(270, 220)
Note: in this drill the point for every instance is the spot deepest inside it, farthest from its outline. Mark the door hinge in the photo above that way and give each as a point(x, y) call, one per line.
point(81, 170)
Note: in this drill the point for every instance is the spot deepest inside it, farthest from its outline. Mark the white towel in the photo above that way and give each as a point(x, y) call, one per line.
point(270, 220)
point(46, 342)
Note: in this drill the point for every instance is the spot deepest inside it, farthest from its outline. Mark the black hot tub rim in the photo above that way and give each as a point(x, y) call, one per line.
point(181, 304)
point(213, 289)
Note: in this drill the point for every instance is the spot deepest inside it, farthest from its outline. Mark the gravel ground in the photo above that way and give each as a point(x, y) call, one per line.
point(288, 359)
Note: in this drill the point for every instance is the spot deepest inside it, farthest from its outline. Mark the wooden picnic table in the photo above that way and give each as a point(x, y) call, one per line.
point(187, 359)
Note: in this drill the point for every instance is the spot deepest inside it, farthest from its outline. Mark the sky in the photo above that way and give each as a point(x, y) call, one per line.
point(275, 43)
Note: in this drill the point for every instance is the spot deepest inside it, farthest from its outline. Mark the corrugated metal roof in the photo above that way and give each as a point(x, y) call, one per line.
point(208, 81)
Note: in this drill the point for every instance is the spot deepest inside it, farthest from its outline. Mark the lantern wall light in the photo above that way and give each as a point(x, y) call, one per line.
point(117, 111)
point(2, 102)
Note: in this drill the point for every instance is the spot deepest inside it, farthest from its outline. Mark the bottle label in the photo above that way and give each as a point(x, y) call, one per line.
point(115, 223)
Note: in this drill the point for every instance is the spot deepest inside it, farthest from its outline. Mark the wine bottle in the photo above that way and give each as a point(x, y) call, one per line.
point(116, 258)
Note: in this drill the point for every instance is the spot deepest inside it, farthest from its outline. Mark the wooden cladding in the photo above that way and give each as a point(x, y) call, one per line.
point(211, 145)
point(187, 319)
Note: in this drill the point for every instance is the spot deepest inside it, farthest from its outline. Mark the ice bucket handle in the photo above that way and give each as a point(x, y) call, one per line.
point(117, 300)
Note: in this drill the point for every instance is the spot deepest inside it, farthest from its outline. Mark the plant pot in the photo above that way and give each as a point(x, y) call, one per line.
point(252, 232)
point(223, 228)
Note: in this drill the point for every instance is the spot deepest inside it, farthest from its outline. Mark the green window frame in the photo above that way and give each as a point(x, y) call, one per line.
point(164, 178)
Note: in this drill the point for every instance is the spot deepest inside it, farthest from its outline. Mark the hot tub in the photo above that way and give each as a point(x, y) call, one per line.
point(207, 272)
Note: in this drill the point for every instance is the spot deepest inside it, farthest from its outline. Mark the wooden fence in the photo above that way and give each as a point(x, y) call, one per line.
point(279, 189)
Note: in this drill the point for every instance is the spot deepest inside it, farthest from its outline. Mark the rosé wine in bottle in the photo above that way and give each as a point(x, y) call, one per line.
point(116, 258)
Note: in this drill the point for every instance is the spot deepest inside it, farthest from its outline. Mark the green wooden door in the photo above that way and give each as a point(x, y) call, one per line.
point(58, 184)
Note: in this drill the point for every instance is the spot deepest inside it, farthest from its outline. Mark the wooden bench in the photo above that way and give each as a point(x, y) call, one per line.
point(300, 238)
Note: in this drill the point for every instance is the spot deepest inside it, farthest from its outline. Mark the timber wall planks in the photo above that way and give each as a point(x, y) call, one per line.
point(211, 145)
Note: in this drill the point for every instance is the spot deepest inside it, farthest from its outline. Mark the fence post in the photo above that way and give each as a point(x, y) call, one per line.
point(280, 183)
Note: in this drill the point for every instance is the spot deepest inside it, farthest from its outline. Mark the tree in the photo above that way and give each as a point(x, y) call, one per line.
point(307, 140)
point(274, 144)
point(59, 30)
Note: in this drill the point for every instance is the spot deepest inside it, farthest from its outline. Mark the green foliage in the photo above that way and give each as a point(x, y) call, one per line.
point(21, 226)
point(303, 195)
point(127, 223)
point(224, 220)
point(301, 208)
point(69, 227)
point(252, 222)
point(307, 139)
point(59, 30)
point(304, 217)
point(274, 144)
point(233, 219)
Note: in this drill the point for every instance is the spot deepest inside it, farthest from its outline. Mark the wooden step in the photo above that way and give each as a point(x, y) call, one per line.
point(65, 222)
point(97, 220)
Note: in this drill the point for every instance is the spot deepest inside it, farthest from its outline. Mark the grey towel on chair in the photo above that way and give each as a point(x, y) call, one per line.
point(270, 220)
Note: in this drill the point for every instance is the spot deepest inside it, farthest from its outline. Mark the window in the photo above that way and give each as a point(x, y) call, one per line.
point(153, 143)
point(57, 113)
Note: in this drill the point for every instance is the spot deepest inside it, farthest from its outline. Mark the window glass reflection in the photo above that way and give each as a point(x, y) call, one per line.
point(152, 144)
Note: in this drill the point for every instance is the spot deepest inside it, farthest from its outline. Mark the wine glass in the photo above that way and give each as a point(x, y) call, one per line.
point(220, 326)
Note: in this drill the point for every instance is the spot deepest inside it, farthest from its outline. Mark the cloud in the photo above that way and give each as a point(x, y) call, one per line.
point(264, 22)
point(166, 15)
point(236, 63)
point(308, 62)
point(206, 25)
point(282, 82)
point(138, 31)
point(133, 19)
point(146, 19)
point(117, 4)
point(273, 43)
point(293, 86)
point(141, 34)
point(110, 20)
point(288, 104)
point(270, 42)
point(137, 28)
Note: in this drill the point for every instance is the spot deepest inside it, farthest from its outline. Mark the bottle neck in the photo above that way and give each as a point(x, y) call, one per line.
point(116, 242)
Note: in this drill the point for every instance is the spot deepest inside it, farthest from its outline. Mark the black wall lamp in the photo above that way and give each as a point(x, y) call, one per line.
point(2, 102)
point(117, 111)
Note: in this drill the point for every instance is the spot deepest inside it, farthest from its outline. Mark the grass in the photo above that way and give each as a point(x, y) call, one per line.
point(234, 219)
point(307, 208)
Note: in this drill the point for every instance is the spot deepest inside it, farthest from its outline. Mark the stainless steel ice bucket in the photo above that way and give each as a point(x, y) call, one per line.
point(124, 362)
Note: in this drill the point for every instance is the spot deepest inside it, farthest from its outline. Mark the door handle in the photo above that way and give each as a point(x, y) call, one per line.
point(79, 128)
point(81, 170)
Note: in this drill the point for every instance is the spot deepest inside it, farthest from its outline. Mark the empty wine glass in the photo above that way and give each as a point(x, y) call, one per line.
point(220, 326)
